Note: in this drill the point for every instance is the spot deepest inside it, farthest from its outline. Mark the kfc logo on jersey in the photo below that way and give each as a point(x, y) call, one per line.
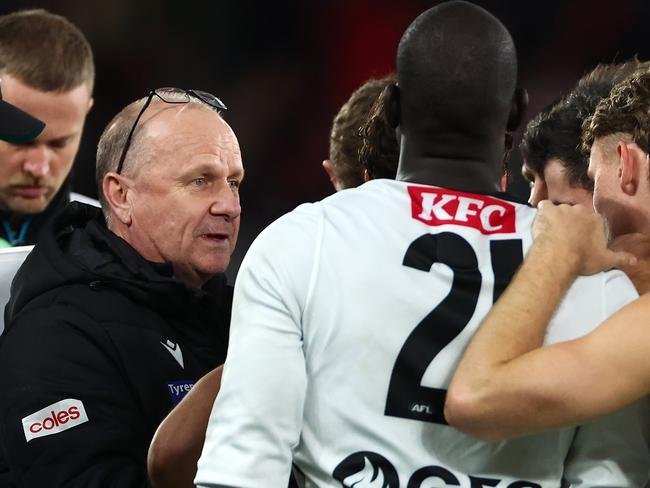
point(55, 418)
point(438, 206)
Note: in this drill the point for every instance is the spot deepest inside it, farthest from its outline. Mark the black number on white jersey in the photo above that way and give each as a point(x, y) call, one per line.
point(407, 398)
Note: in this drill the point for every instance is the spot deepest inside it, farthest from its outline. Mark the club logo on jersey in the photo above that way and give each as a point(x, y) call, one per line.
point(366, 469)
point(178, 390)
point(55, 418)
point(438, 206)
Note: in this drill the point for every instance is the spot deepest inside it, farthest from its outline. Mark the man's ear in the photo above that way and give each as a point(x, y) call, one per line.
point(628, 168)
point(518, 109)
point(329, 169)
point(116, 192)
point(91, 103)
point(504, 183)
point(393, 104)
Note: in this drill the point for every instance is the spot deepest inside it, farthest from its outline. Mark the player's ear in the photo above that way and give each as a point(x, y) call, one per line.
point(329, 169)
point(392, 106)
point(518, 109)
point(628, 167)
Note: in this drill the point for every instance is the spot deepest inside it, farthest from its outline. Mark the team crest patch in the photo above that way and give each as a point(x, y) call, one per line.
point(54, 418)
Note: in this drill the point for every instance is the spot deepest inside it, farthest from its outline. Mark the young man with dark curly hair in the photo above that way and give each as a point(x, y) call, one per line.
point(507, 384)
point(554, 164)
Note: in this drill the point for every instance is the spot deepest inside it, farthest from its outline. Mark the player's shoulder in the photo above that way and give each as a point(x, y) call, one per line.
point(380, 189)
point(592, 298)
point(309, 215)
point(375, 197)
point(611, 284)
point(292, 232)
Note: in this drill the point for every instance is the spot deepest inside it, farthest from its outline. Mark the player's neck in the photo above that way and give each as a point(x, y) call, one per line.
point(464, 173)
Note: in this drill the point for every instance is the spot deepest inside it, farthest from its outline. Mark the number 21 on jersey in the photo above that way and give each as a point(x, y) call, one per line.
point(407, 398)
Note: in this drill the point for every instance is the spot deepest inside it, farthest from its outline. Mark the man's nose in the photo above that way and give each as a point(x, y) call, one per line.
point(37, 162)
point(538, 192)
point(226, 202)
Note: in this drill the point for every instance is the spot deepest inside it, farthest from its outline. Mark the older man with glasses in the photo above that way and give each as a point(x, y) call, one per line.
point(118, 312)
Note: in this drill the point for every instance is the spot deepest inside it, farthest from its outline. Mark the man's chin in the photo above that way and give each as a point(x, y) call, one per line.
point(213, 267)
point(26, 205)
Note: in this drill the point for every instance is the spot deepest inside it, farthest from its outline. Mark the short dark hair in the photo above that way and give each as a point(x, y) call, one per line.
point(345, 137)
point(379, 153)
point(625, 110)
point(45, 51)
point(457, 74)
point(556, 132)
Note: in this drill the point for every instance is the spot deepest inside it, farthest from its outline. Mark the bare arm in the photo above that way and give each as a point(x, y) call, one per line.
point(177, 444)
point(505, 384)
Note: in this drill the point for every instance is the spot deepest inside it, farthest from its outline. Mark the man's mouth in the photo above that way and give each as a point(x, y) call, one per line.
point(216, 237)
point(29, 191)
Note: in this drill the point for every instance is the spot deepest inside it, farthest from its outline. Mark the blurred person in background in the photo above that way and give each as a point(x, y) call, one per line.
point(554, 164)
point(46, 69)
point(118, 312)
point(17, 127)
point(345, 167)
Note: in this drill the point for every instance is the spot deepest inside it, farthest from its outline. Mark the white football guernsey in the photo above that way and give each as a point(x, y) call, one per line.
point(349, 318)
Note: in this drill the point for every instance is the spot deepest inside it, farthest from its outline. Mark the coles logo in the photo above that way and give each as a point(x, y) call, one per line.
point(438, 206)
point(55, 418)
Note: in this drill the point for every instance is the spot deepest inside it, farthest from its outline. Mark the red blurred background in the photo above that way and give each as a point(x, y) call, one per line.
point(284, 68)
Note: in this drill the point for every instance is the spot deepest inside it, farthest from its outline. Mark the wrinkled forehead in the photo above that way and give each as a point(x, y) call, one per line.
point(177, 136)
point(190, 126)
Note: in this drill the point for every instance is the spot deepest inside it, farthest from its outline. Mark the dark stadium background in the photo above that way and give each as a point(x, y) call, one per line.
point(284, 67)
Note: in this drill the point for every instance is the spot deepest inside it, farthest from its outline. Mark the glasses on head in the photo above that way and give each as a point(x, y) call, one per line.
point(170, 95)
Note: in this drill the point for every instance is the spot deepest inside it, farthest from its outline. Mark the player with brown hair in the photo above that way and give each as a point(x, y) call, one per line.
point(344, 166)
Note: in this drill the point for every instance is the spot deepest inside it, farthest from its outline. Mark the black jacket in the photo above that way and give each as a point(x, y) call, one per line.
point(94, 330)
